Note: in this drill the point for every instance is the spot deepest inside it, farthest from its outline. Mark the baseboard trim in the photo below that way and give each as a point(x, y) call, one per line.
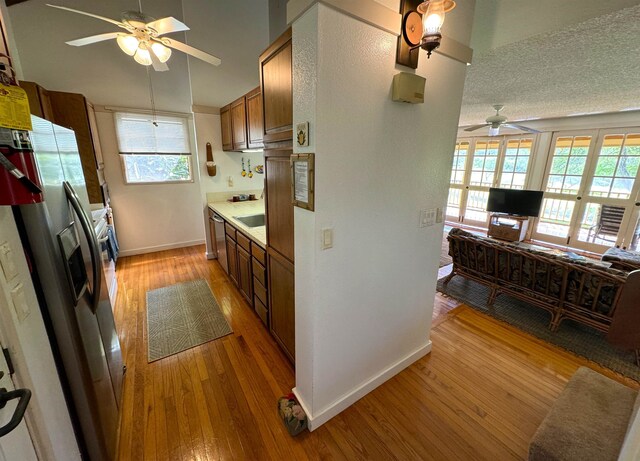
point(169, 246)
point(315, 421)
point(211, 255)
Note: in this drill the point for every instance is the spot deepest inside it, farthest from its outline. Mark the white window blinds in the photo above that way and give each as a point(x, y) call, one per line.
point(137, 134)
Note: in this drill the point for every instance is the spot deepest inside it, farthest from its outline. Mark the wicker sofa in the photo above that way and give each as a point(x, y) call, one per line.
point(569, 289)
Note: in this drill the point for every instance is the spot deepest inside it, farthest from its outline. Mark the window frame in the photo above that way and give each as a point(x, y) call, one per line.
point(123, 156)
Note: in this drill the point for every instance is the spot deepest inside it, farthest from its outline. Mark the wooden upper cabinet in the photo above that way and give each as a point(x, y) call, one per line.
point(239, 124)
point(277, 89)
point(72, 110)
point(225, 121)
point(39, 100)
point(255, 126)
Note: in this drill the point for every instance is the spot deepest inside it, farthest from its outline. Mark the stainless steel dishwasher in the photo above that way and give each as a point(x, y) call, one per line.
point(221, 246)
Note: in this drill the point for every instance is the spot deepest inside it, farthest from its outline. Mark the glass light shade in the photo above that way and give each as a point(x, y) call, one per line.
point(433, 18)
point(128, 43)
point(162, 52)
point(494, 131)
point(142, 57)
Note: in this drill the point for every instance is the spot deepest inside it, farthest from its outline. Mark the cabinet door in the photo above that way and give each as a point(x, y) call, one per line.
point(282, 302)
point(225, 121)
point(239, 124)
point(254, 119)
point(212, 238)
point(232, 259)
point(276, 85)
point(279, 209)
point(93, 128)
point(244, 274)
point(70, 111)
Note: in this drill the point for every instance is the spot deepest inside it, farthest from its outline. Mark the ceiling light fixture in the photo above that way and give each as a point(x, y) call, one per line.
point(128, 43)
point(143, 38)
point(421, 28)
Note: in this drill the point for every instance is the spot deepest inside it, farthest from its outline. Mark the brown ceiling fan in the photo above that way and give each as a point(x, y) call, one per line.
point(143, 38)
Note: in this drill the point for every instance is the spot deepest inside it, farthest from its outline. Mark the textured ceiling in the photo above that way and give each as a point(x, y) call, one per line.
point(590, 67)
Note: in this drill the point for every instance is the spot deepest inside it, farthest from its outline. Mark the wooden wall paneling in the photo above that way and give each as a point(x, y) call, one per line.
point(282, 301)
point(70, 111)
point(255, 126)
point(276, 84)
point(239, 124)
point(225, 121)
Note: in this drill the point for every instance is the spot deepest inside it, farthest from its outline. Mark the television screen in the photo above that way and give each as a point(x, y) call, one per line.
point(515, 202)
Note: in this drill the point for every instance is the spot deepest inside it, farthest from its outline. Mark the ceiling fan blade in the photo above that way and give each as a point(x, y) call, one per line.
point(155, 62)
point(196, 53)
point(476, 127)
point(521, 128)
point(93, 39)
point(112, 21)
point(167, 25)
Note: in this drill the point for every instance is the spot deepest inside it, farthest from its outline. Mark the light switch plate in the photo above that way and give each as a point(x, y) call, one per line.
point(431, 217)
point(439, 215)
point(20, 303)
point(327, 238)
point(6, 261)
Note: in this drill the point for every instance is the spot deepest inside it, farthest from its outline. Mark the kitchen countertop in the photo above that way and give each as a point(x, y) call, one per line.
point(230, 209)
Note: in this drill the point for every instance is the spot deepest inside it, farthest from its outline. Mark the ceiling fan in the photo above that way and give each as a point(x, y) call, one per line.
point(143, 38)
point(496, 121)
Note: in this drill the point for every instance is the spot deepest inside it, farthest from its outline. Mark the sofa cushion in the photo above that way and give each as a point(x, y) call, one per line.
point(587, 422)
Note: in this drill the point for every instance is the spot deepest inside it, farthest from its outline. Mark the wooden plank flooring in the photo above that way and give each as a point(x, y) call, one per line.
point(479, 395)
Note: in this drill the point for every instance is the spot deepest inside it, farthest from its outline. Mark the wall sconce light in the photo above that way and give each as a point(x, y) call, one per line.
point(421, 24)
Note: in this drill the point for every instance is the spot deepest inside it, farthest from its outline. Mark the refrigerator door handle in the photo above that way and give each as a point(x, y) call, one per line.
point(90, 233)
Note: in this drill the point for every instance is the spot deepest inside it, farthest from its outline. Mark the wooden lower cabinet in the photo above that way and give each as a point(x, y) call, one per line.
point(232, 259)
point(244, 275)
point(282, 302)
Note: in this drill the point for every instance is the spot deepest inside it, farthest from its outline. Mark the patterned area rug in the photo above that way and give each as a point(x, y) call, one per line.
point(574, 337)
point(182, 316)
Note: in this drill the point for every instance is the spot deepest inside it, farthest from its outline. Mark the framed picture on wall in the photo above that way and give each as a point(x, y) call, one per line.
point(303, 180)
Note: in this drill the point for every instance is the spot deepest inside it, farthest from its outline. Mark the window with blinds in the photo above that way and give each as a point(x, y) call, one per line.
point(153, 149)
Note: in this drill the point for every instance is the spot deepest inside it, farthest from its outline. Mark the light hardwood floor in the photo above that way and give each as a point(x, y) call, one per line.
point(479, 395)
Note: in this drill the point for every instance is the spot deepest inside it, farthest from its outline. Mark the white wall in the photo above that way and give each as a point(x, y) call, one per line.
point(208, 129)
point(47, 415)
point(150, 217)
point(364, 307)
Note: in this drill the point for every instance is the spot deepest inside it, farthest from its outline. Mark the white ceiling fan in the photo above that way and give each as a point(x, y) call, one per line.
point(496, 121)
point(143, 38)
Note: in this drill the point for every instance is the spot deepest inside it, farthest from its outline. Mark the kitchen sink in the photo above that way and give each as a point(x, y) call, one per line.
point(254, 220)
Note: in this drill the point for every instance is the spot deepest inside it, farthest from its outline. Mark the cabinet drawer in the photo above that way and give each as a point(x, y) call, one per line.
point(259, 272)
point(230, 230)
point(262, 311)
point(243, 241)
point(258, 253)
point(260, 291)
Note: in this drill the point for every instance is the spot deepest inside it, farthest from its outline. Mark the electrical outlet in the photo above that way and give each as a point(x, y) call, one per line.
point(20, 303)
point(230, 181)
point(327, 238)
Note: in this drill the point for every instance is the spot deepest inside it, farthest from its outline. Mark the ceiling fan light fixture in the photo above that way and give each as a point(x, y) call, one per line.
point(128, 43)
point(143, 57)
point(162, 52)
point(494, 131)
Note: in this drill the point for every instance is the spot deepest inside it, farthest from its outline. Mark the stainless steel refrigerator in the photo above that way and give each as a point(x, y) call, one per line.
point(67, 271)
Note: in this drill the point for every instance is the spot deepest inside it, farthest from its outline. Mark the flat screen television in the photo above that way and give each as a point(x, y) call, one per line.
point(515, 202)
